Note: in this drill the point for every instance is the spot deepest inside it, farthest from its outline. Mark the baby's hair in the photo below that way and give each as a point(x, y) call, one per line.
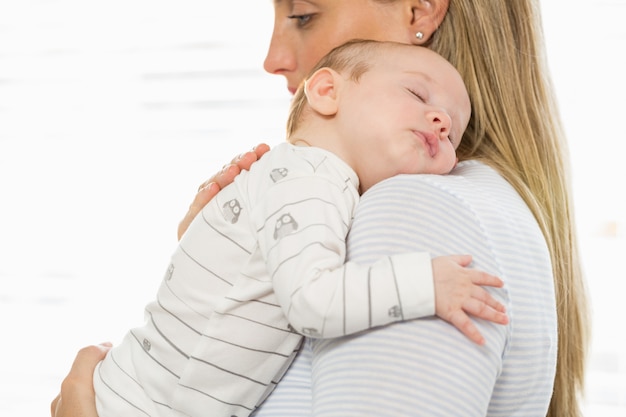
point(353, 57)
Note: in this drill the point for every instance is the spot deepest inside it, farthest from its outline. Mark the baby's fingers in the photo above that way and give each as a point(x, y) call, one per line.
point(482, 295)
point(483, 278)
point(461, 321)
point(490, 310)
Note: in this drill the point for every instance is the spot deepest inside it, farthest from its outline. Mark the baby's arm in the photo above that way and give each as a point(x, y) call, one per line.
point(459, 292)
point(302, 235)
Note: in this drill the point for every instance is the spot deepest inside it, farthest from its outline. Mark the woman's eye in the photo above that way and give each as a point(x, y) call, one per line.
point(301, 19)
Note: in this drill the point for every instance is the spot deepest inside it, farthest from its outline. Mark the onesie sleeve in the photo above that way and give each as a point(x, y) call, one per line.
point(303, 223)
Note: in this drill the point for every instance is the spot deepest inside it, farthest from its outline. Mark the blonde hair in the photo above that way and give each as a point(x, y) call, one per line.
point(352, 59)
point(515, 128)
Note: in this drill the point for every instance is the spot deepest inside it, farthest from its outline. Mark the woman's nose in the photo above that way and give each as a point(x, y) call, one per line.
point(280, 58)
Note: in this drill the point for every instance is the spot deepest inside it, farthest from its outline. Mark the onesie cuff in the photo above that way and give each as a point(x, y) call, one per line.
point(416, 288)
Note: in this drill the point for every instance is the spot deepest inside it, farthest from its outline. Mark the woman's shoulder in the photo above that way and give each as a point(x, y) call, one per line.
point(473, 168)
point(469, 180)
point(472, 210)
point(479, 174)
point(473, 192)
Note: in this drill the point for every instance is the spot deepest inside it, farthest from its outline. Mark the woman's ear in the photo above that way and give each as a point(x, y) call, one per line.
point(426, 16)
point(321, 90)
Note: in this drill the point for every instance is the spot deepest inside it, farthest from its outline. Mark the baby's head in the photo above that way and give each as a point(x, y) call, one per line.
point(397, 108)
point(352, 59)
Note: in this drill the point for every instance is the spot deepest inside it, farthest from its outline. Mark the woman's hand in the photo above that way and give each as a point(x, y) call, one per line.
point(213, 185)
point(77, 397)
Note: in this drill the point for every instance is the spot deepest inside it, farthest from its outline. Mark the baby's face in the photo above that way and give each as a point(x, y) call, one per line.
point(409, 110)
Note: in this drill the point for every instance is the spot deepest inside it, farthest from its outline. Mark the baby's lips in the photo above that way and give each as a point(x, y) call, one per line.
point(432, 141)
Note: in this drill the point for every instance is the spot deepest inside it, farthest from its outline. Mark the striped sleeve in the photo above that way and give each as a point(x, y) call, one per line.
point(303, 224)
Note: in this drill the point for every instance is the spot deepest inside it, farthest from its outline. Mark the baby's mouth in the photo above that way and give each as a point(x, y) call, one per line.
point(431, 141)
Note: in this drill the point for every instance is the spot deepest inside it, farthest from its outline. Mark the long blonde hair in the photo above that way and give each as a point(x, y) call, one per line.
point(497, 47)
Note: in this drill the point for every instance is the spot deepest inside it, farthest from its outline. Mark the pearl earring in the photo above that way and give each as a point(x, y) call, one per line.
point(419, 35)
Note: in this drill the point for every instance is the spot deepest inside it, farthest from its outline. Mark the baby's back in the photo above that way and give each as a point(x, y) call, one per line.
point(215, 338)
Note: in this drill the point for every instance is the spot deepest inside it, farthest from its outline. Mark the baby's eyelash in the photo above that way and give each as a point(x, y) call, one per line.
point(419, 96)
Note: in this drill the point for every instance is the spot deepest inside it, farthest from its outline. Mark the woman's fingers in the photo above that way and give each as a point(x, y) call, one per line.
point(227, 175)
point(206, 192)
point(54, 406)
point(241, 162)
point(261, 149)
point(86, 361)
point(201, 199)
point(246, 159)
point(213, 185)
point(77, 398)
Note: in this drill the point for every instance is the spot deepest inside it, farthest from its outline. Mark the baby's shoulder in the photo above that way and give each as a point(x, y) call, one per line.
point(289, 162)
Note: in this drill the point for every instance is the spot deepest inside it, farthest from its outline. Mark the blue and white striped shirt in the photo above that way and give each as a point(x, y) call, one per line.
point(426, 367)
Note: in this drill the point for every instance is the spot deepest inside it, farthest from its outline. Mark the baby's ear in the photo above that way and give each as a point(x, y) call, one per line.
point(321, 91)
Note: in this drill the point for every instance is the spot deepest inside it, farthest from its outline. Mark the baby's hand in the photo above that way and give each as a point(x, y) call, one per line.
point(459, 292)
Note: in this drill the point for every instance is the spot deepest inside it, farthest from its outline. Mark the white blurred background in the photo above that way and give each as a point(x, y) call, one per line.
point(112, 113)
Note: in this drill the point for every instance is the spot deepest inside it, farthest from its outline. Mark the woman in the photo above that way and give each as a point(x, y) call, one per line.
point(515, 129)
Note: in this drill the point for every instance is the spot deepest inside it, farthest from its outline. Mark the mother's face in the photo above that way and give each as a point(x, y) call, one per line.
point(305, 30)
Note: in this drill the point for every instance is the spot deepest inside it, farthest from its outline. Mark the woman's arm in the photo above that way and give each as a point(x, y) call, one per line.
point(77, 397)
point(421, 367)
point(425, 367)
point(213, 185)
